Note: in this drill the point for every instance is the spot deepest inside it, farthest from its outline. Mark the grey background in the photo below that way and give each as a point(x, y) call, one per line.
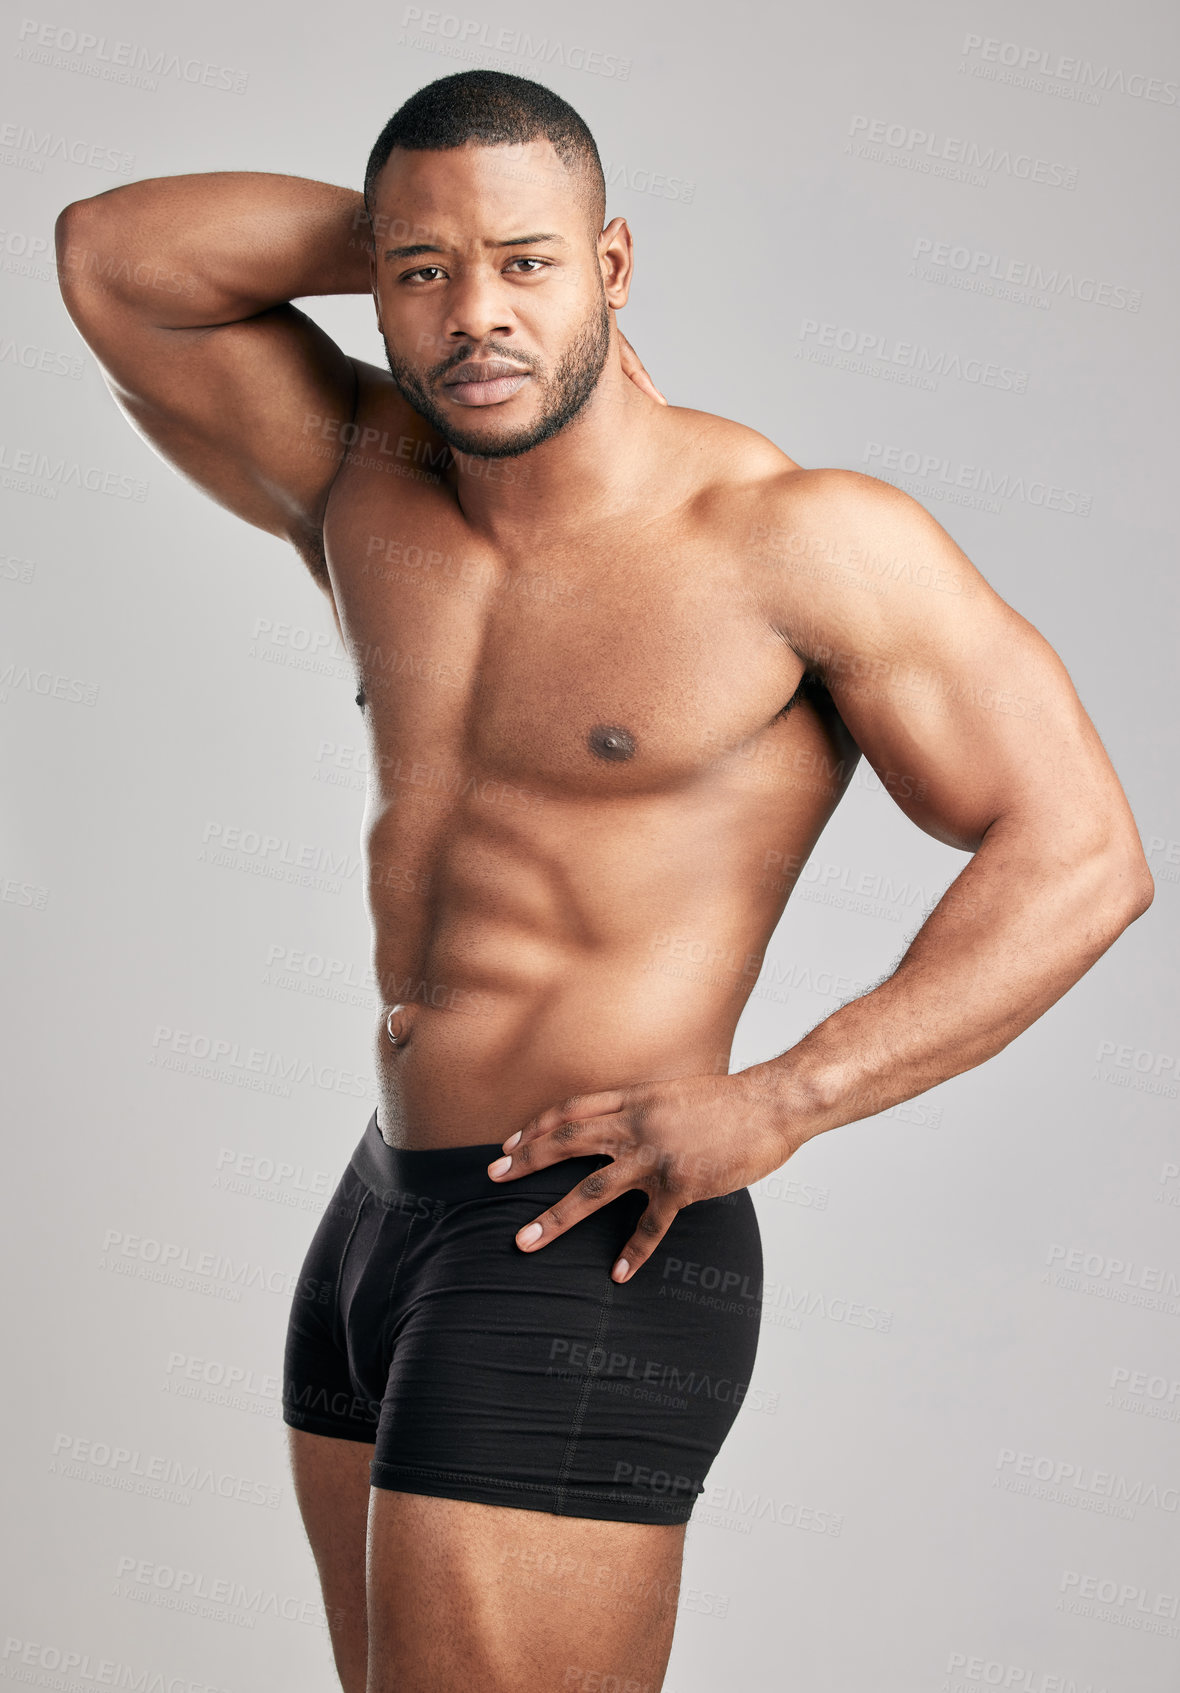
point(876, 1518)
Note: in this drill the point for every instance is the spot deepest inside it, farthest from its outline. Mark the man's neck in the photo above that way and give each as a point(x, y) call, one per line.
point(596, 466)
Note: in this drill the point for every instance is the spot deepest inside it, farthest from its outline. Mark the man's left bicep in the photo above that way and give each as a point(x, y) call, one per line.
point(962, 707)
point(963, 737)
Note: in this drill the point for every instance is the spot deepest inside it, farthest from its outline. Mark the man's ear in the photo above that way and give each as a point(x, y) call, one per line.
point(616, 259)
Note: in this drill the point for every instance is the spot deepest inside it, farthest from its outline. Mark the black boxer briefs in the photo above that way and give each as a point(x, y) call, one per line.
point(482, 1372)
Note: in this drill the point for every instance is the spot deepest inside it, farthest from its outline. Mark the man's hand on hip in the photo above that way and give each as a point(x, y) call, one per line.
point(692, 1138)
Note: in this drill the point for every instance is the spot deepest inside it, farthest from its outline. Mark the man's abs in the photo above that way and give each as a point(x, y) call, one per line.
point(563, 950)
point(586, 804)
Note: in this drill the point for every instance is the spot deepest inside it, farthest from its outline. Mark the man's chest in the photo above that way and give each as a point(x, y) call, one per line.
point(626, 663)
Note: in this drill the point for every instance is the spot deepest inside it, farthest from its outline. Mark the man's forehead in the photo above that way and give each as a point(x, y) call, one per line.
point(475, 192)
point(514, 171)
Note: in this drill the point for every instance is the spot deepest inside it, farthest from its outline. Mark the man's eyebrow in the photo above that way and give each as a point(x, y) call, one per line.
point(512, 241)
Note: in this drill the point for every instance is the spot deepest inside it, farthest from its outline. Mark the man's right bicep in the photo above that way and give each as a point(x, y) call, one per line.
point(252, 411)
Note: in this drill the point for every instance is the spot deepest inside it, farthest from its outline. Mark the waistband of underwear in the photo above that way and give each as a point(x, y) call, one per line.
point(451, 1173)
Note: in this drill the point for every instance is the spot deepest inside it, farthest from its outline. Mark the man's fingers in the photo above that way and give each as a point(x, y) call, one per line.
point(633, 367)
point(649, 1232)
point(539, 1153)
point(575, 1110)
point(594, 1191)
point(643, 381)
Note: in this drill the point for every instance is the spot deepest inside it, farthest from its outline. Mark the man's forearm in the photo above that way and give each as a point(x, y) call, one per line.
point(240, 242)
point(1011, 934)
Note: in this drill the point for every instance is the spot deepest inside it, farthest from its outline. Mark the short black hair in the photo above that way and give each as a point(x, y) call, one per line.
point(495, 110)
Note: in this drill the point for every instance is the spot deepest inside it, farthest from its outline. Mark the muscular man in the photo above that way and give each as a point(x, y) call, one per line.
point(616, 661)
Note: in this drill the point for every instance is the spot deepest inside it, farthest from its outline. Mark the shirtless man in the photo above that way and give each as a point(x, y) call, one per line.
point(616, 661)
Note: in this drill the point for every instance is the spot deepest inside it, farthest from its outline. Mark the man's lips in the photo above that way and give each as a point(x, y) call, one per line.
point(484, 384)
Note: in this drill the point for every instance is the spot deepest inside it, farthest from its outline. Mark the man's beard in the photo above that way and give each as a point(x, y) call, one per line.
point(573, 382)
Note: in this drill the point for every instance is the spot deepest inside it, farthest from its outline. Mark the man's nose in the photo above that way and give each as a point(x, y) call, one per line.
point(475, 310)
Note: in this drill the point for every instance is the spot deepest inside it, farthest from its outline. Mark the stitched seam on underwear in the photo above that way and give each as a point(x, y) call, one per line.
point(583, 1400)
point(305, 1419)
point(524, 1486)
point(337, 1314)
point(397, 1270)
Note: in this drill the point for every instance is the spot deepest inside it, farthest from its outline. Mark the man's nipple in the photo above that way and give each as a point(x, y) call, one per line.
point(608, 740)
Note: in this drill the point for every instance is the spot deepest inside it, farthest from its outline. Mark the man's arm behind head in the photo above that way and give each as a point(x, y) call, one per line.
point(181, 288)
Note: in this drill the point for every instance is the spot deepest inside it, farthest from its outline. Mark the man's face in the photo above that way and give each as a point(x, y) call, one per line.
point(489, 293)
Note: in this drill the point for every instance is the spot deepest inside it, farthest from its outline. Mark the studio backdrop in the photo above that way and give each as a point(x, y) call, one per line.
point(934, 244)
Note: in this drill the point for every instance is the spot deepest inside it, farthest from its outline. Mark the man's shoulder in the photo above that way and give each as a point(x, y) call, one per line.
point(726, 454)
point(848, 558)
point(737, 461)
point(838, 554)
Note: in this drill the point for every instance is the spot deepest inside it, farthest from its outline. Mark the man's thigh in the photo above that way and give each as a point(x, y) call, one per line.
point(332, 1489)
point(465, 1596)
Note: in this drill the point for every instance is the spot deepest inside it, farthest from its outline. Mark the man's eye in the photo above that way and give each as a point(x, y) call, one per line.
point(410, 275)
point(538, 262)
